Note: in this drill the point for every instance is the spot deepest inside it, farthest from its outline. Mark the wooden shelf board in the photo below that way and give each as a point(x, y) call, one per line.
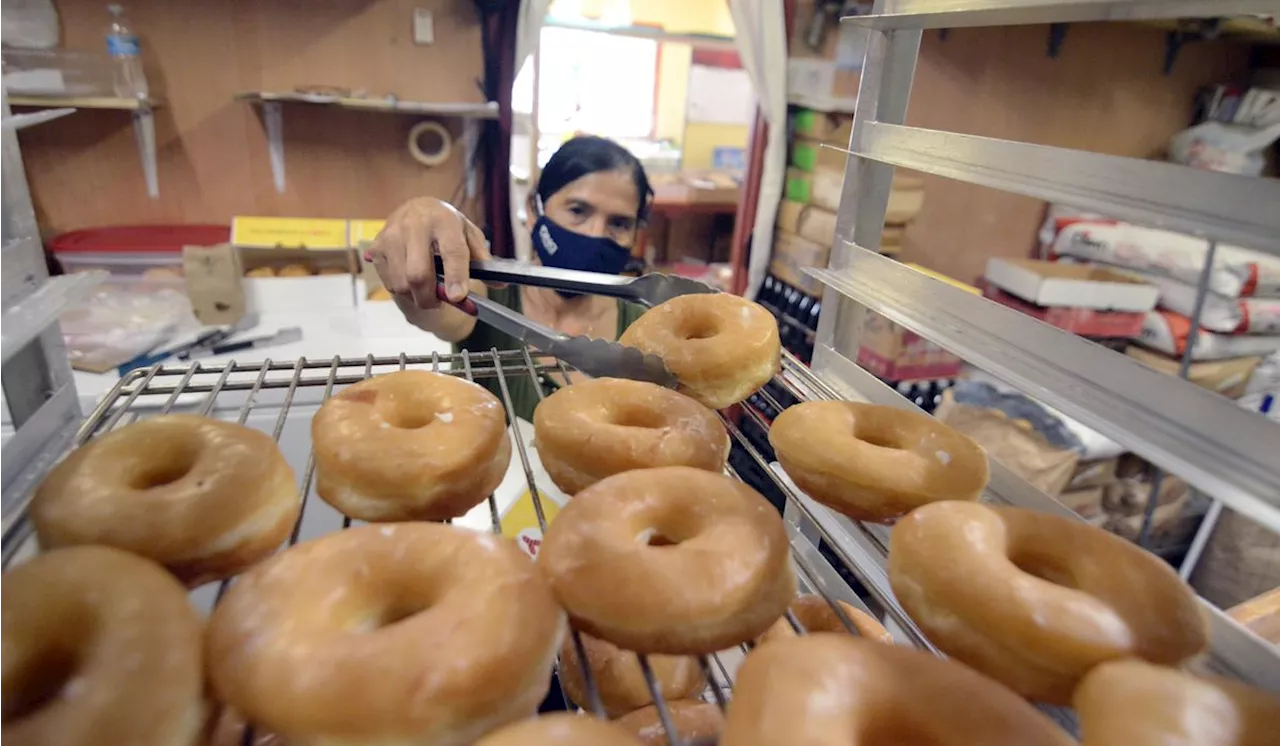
point(449, 109)
point(86, 102)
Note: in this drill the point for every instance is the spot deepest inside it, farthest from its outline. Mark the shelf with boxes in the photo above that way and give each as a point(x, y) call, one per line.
point(805, 229)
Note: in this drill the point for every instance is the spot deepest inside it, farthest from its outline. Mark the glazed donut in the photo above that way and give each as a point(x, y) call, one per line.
point(670, 560)
point(598, 427)
point(202, 497)
point(838, 689)
point(696, 722)
point(815, 615)
point(875, 463)
point(295, 270)
point(1131, 703)
point(401, 633)
point(410, 446)
point(1036, 600)
point(559, 729)
point(100, 647)
point(618, 678)
point(720, 346)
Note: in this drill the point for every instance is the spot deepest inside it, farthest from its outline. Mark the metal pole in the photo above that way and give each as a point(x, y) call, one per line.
point(1184, 369)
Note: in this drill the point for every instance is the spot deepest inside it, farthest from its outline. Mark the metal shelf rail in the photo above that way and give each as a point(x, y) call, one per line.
point(1183, 429)
point(40, 407)
point(286, 392)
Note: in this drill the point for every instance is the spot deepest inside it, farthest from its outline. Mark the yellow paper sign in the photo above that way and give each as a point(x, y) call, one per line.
point(365, 230)
point(521, 521)
point(289, 233)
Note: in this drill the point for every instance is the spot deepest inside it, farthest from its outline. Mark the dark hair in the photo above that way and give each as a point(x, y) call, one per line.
point(588, 154)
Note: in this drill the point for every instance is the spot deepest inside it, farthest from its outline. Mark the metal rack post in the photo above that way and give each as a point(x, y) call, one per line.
point(41, 409)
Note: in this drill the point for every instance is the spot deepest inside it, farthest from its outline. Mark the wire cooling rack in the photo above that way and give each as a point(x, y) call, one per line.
point(288, 389)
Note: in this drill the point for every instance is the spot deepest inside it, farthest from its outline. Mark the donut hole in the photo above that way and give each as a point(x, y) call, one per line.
point(697, 326)
point(406, 415)
point(44, 676)
point(642, 417)
point(170, 463)
point(652, 537)
point(1045, 567)
point(880, 440)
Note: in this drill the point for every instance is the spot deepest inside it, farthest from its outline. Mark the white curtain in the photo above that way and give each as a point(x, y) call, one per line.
point(761, 37)
point(528, 31)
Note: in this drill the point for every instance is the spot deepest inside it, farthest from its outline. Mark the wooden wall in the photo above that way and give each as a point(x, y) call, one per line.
point(1106, 92)
point(212, 151)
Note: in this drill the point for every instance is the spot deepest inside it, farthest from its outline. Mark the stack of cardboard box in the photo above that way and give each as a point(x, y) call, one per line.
point(806, 225)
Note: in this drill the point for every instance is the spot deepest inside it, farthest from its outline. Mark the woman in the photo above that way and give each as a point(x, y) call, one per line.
point(590, 202)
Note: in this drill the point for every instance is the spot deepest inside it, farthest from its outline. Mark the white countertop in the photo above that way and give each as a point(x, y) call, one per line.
point(376, 328)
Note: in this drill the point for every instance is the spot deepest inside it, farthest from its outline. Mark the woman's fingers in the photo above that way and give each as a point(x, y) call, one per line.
point(420, 270)
point(388, 258)
point(476, 242)
point(455, 254)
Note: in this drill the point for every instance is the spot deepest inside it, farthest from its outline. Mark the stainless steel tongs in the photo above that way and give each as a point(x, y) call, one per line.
point(595, 357)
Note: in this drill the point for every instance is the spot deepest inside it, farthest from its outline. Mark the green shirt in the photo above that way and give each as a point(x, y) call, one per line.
point(521, 387)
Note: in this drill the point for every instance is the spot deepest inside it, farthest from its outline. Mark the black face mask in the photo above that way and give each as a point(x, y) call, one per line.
point(561, 248)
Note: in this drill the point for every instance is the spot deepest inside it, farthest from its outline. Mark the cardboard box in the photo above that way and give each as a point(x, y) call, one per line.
point(895, 353)
point(809, 155)
point(1086, 322)
point(822, 187)
point(818, 225)
point(1074, 285)
point(706, 186)
point(791, 254)
point(1227, 377)
point(818, 126)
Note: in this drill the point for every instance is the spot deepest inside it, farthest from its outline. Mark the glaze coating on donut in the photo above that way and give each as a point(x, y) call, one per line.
point(559, 729)
point(202, 497)
point(410, 446)
point(815, 615)
point(695, 722)
point(721, 347)
point(387, 634)
point(1132, 703)
point(839, 690)
point(1036, 600)
point(670, 560)
point(875, 463)
point(599, 427)
point(618, 678)
point(100, 647)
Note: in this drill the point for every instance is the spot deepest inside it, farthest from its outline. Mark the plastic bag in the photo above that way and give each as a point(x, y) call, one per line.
point(1222, 147)
point(123, 320)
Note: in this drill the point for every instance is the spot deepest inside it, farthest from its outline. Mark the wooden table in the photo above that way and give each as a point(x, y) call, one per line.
point(671, 208)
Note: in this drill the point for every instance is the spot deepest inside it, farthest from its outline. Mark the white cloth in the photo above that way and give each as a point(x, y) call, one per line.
point(760, 34)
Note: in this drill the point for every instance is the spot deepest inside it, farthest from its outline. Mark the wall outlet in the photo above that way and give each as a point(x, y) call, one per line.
point(424, 26)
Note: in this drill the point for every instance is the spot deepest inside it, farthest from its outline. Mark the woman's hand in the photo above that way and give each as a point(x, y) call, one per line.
point(403, 252)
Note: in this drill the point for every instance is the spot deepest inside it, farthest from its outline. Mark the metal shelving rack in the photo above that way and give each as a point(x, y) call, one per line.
point(41, 411)
point(1225, 451)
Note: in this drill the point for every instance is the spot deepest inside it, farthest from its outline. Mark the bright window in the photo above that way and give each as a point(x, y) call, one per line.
point(592, 82)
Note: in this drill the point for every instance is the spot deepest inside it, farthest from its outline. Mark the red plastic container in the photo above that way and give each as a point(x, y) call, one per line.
point(133, 249)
